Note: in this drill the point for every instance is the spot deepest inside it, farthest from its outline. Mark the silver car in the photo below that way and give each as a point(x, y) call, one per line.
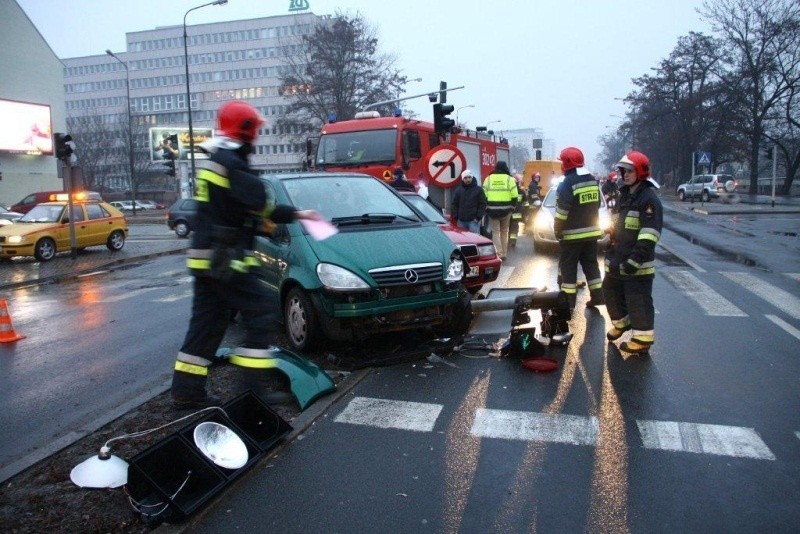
point(541, 225)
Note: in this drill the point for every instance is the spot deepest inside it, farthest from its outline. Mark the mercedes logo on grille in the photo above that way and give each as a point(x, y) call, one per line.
point(411, 276)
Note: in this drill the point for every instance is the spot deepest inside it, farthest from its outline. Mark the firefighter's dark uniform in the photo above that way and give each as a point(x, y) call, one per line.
point(629, 266)
point(232, 206)
point(577, 227)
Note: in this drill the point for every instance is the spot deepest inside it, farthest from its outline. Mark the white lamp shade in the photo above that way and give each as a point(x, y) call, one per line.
point(96, 472)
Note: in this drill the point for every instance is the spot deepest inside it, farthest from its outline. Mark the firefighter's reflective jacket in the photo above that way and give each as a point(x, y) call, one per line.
point(232, 204)
point(637, 229)
point(577, 207)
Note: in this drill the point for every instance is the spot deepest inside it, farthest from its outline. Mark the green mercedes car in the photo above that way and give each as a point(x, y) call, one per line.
point(386, 269)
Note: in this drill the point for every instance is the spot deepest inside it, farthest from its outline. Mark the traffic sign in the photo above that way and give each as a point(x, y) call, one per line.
point(445, 164)
point(703, 158)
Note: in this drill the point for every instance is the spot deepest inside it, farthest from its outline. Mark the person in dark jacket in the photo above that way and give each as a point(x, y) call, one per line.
point(400, 182)
point(232, 209)
point(630, 262)
point(534, 191)
point(577, 227)
point(610, 189)
point(469, 203)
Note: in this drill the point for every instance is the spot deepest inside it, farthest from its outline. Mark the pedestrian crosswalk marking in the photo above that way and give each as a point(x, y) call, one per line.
point(712, 302)
point(532, 426)
point(175, 297)
point(784, 325)
point(704, 439)
point(774, 295)
point(383, 413)
point(796, 276)
point(676, 436)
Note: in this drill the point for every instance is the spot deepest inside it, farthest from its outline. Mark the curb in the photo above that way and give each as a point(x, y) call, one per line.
point(299, 426)
point(738, 257)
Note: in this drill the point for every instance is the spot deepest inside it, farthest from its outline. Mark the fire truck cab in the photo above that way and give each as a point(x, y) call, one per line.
point(376, 145)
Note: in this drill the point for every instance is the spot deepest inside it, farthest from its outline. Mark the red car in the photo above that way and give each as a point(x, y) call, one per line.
point(484, 263)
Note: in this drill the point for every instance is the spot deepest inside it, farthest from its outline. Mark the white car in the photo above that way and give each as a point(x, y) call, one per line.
point(127, 205)
point(544, 237)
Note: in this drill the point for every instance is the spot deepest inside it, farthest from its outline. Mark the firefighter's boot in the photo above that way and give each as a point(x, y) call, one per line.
point(270, 385)
point(189, 391)
point(596, 298)
point(618, 328)
point(635, 346)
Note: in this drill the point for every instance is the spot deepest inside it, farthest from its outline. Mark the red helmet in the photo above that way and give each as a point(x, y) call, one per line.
point(638, 162)
point(239, 120)
point(612, 176)
point(570, 158)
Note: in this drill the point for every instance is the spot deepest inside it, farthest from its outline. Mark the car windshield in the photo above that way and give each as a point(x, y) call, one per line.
point(428, 210)
point(43, 213)
point(339, 197)
point(357, 148)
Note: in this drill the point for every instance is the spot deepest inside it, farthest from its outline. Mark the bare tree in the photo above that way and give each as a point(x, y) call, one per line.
point(519, 154)
point(91, 134)
point(760, 35)
point(337, 70)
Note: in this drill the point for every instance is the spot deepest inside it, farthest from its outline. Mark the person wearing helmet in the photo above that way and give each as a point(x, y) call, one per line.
point(610, 189)
point(519, 213)
point(400, 182)
point(577, 227)
point(534, 191)
point(501, 199)
point(232, 208)
point(630, 261)
point(469, 203)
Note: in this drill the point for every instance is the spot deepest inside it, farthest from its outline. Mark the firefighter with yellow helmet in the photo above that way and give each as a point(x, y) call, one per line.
point(630, 262)
point(232, 209)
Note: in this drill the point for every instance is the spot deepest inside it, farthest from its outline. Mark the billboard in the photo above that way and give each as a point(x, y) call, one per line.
point(25, 128)
point(173, 143)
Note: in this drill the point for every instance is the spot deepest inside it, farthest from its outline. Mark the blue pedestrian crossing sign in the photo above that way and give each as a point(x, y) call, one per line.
point(703, 158)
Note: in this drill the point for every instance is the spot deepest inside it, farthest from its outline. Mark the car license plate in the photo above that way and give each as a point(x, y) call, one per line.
point(473, 272)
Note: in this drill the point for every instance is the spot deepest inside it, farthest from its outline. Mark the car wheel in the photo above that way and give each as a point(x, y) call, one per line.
point(681, 195)
point(116, 240)
point(704, 195)
point(300, 320)
point(45, 249)
point(181, 229)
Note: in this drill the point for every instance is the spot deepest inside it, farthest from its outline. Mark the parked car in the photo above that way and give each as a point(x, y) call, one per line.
point(7, 216)
point(541, 227)
point(45, 230)
point(387, 269)
point(127, 205)
point(182, 216)
point(482, 259)
point(706, 186)
point(150, 205)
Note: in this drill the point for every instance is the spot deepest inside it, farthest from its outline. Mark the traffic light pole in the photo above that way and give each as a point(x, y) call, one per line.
point(73, 242)
point(428, 94)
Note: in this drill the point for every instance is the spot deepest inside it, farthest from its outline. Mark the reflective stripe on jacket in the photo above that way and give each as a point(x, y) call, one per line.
point(501, 194)
point(637, 229)
point(577, 215)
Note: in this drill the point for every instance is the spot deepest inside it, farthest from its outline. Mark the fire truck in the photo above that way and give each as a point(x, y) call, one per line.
point(376, 145)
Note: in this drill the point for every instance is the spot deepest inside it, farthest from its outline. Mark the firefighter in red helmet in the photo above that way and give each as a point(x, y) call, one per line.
point(232, 208)
point(630, 262)
point(610, 189)
point(577, 227)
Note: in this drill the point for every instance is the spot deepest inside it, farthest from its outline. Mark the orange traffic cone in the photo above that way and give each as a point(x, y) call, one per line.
point(7, 334)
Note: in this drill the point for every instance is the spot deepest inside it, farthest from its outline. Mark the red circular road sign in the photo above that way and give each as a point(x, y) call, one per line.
point(445, 163)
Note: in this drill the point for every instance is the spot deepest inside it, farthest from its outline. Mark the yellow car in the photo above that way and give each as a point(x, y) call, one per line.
point(44, 230)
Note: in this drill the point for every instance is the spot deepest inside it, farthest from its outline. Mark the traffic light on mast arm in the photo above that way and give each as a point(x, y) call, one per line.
point(441, 122)
point(170, 165)
point(64, 146)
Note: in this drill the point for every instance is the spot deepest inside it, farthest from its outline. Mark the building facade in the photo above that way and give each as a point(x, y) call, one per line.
point(34, 76)
point(242, 59)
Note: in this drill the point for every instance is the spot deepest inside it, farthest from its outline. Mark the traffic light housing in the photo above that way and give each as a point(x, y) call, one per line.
point(170, 165)
point(443, 92)
point(768, 151)
point(64, 146)
point(441, 122)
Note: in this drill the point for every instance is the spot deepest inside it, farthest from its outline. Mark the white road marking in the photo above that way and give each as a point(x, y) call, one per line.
point(774, 295)
point(687, 261)
point(384, 413)
point(173, 298)
point(532, 426)
point(712, 302)
point(704, 439)
point(129, 294)
point(796, 276)
point(792, 331)
point(797, 434)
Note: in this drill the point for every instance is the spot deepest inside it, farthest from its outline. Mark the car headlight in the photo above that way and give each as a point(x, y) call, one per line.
point(486, 250)
point(338, 278)
point(605, 221)
point(15, 239)
point(455, 271)
point(542, 223)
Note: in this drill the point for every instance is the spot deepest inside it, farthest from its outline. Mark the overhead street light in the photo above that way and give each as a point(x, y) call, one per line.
point(188, 92)
point(463, 107)
point(130, 129)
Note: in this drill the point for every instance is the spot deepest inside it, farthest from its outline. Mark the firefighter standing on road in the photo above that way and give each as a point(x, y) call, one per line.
point(501, 199)
point(630, 268)
point(610, 189)
point(232, 208)
point(577, 227)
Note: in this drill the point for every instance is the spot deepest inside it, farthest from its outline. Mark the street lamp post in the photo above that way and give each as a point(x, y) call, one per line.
point(463, 107)
point(188, 91)
point(491, 132)
point(130, 129)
